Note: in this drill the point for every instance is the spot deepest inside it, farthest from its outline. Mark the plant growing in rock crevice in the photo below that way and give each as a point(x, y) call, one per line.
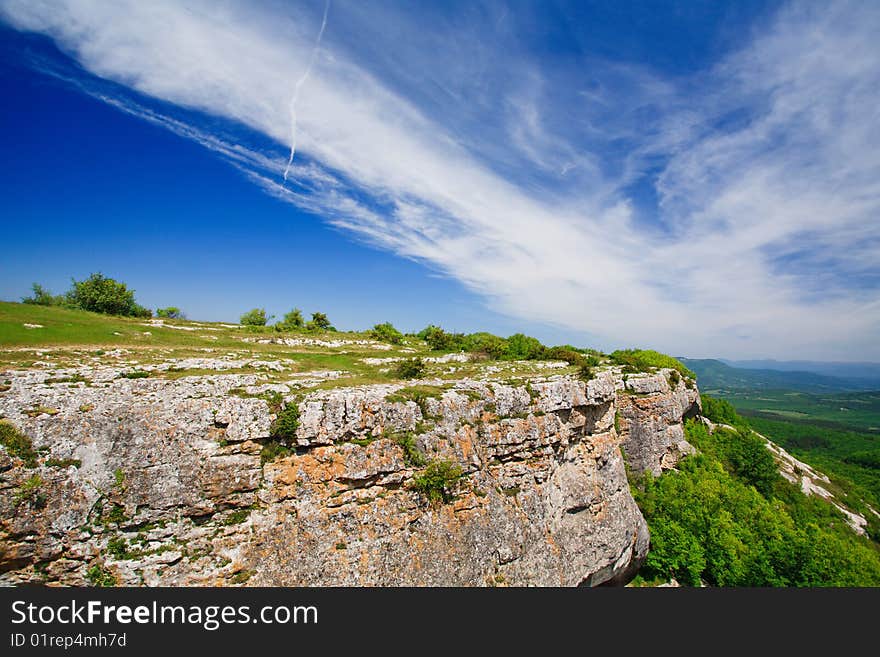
point(407, 442)
point(283, 429)
point(30, 492)
point(437, 481)
point(17, 444)
point(99, 576)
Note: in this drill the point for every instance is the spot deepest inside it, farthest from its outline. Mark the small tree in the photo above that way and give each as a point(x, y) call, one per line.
point(255, 317)
point(105, 295)
point(171, 312)
point(320, 321)
point(42, 297)
point(292, 320)
point(523, 347)
point(387, 333)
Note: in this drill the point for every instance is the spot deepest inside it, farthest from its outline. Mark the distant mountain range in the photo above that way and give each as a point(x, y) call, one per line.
point(836, 369)
point(802, 376)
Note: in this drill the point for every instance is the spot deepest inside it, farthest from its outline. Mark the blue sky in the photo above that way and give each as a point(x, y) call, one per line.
point(697, 177)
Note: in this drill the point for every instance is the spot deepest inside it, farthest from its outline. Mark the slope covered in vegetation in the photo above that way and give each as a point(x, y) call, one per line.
point(726, 518)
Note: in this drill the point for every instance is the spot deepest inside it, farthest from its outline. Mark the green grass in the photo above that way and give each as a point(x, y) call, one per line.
point(73, 338)
point(644, 360)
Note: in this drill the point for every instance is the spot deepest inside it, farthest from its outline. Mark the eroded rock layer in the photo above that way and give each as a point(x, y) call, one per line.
point(161, 482)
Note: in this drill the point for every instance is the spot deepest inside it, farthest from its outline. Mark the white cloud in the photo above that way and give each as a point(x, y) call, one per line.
point(516, 184)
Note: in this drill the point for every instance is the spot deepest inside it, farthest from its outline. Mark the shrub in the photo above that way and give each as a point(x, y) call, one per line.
point(136, 374)
point(30, 493)
point(437, 482)
point(100, 294)
point(254, 317)
point(387, 333)
point(319, 321)
point(411, 454)
point(643, 360)
point(585, 372)
point(98, 576)
point(411, 368)
point(721, 411)
point(282, 431)
point(171, 312)
point(485, 343)
point(286, 422)
point(440, 340)
point(17, 444)
point(272, 451)
point(523, 347)
point(292, 320)
point(42, 297)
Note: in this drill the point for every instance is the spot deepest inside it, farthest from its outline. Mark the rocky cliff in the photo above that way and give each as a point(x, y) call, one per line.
point(185, 481)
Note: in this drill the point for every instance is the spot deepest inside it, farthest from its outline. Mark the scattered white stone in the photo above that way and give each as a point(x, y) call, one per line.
point(32, 326)
point(314, 342)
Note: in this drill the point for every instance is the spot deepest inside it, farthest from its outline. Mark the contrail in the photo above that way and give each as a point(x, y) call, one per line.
point(300, 82)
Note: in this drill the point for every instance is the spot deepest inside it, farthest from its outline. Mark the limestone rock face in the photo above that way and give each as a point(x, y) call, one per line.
point(161, 482)
point(650, 420)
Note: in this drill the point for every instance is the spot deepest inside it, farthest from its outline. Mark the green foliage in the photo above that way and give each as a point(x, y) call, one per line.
point(171, 312)
point(273, 450)
point(387, 333)
point(118, 547)
point(585, 372)
point(292, 321)
point(440, 340)
point(523, 347)
point(710, 522)
point(17, 444)
point(437, 482)
point(283, 429)
point(644, 360)
point(30, 492)
point(116, 515)
point(743, 454)
point(866, 459)
point(319, 321)
point(286, 422)
point(572, 356)
point(843, 454)
point(515, 347)
point(136, 374)
point(411, 368)
point(63, 463)
point(42, 297)
point(721, 411)
point(237, 517)
point(254, 317)
point(100, 294)
point(98, 576)
point(486, 344)
point(412, 456)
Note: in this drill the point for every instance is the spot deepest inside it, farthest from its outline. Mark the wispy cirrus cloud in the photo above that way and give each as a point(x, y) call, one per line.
point(734, 212)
